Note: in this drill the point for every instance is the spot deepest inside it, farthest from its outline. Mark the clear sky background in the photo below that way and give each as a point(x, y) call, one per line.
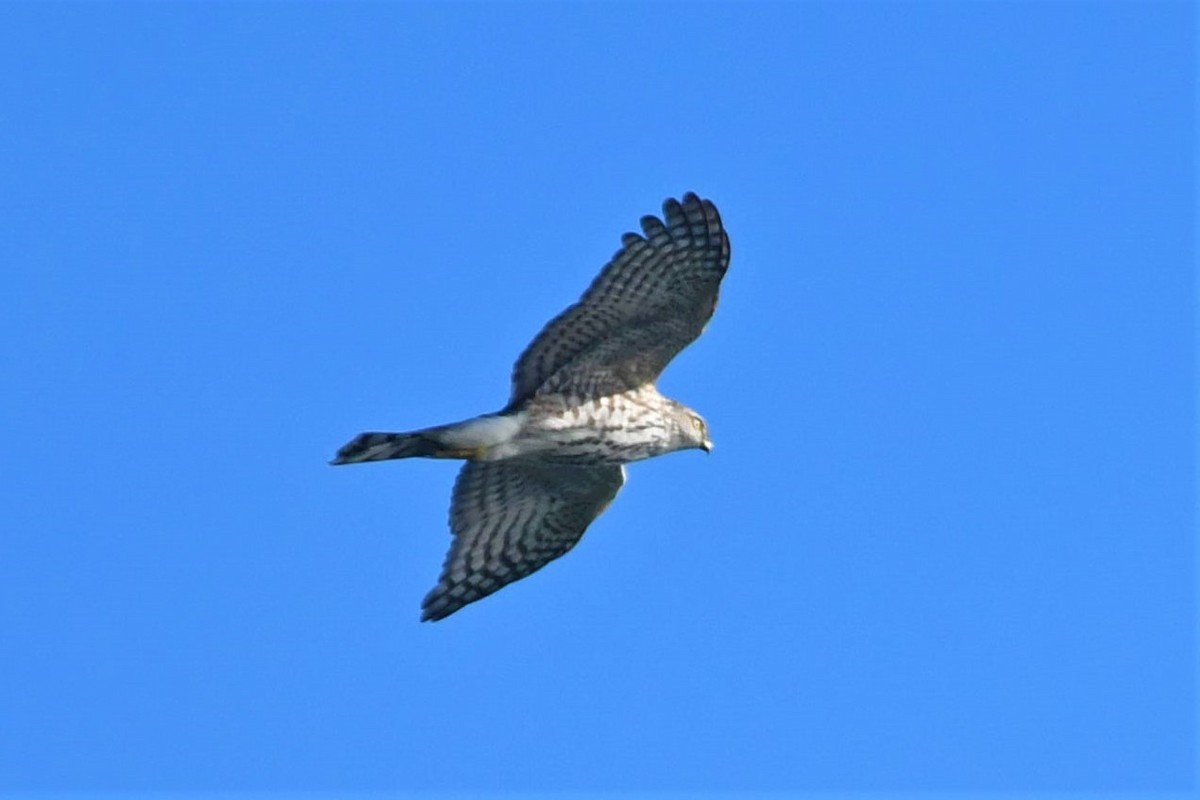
point(945, 540)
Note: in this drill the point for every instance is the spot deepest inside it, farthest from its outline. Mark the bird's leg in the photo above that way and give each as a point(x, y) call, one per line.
point(469, 453)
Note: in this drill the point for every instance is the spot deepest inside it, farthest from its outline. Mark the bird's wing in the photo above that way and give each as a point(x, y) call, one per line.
point(649, 302)
point(509, 519)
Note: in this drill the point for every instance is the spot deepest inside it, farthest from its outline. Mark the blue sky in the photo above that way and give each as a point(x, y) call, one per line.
point(945, 541)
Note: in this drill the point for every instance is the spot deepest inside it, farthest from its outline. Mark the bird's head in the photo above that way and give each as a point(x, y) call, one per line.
point(691, 429)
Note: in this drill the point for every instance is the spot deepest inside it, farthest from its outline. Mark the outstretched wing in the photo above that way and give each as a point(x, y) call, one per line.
point(510, 518)
point(649, 302)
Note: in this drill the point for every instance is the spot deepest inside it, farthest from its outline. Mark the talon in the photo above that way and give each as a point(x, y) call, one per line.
point(469, 453)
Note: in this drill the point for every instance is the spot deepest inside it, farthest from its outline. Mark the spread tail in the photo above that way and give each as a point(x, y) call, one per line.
point(383, 446)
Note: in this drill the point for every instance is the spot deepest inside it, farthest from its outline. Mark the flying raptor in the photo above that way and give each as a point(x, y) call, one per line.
point(583, 405)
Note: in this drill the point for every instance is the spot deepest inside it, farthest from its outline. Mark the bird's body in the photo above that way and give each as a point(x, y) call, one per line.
point(559, 429)
point(609, 429)
point(583, 405)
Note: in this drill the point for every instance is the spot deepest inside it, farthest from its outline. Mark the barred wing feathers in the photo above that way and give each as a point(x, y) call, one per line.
point(648, 303)
point(509, 519)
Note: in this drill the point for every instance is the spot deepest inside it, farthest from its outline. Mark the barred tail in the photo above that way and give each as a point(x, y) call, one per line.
point(383, 446)
point(471, 439)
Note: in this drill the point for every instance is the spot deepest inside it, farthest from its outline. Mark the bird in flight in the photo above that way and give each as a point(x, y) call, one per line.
point(583, 405)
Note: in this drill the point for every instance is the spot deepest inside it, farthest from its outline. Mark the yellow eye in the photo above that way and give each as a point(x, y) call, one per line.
point(698, 424)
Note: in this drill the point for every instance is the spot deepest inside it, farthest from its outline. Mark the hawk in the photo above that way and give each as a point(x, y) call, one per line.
point(583, 405)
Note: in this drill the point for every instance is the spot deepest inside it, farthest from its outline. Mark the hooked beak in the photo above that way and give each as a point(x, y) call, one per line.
point(706, 445)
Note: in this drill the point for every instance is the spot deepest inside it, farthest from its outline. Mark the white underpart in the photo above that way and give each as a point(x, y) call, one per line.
point(489, 431)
